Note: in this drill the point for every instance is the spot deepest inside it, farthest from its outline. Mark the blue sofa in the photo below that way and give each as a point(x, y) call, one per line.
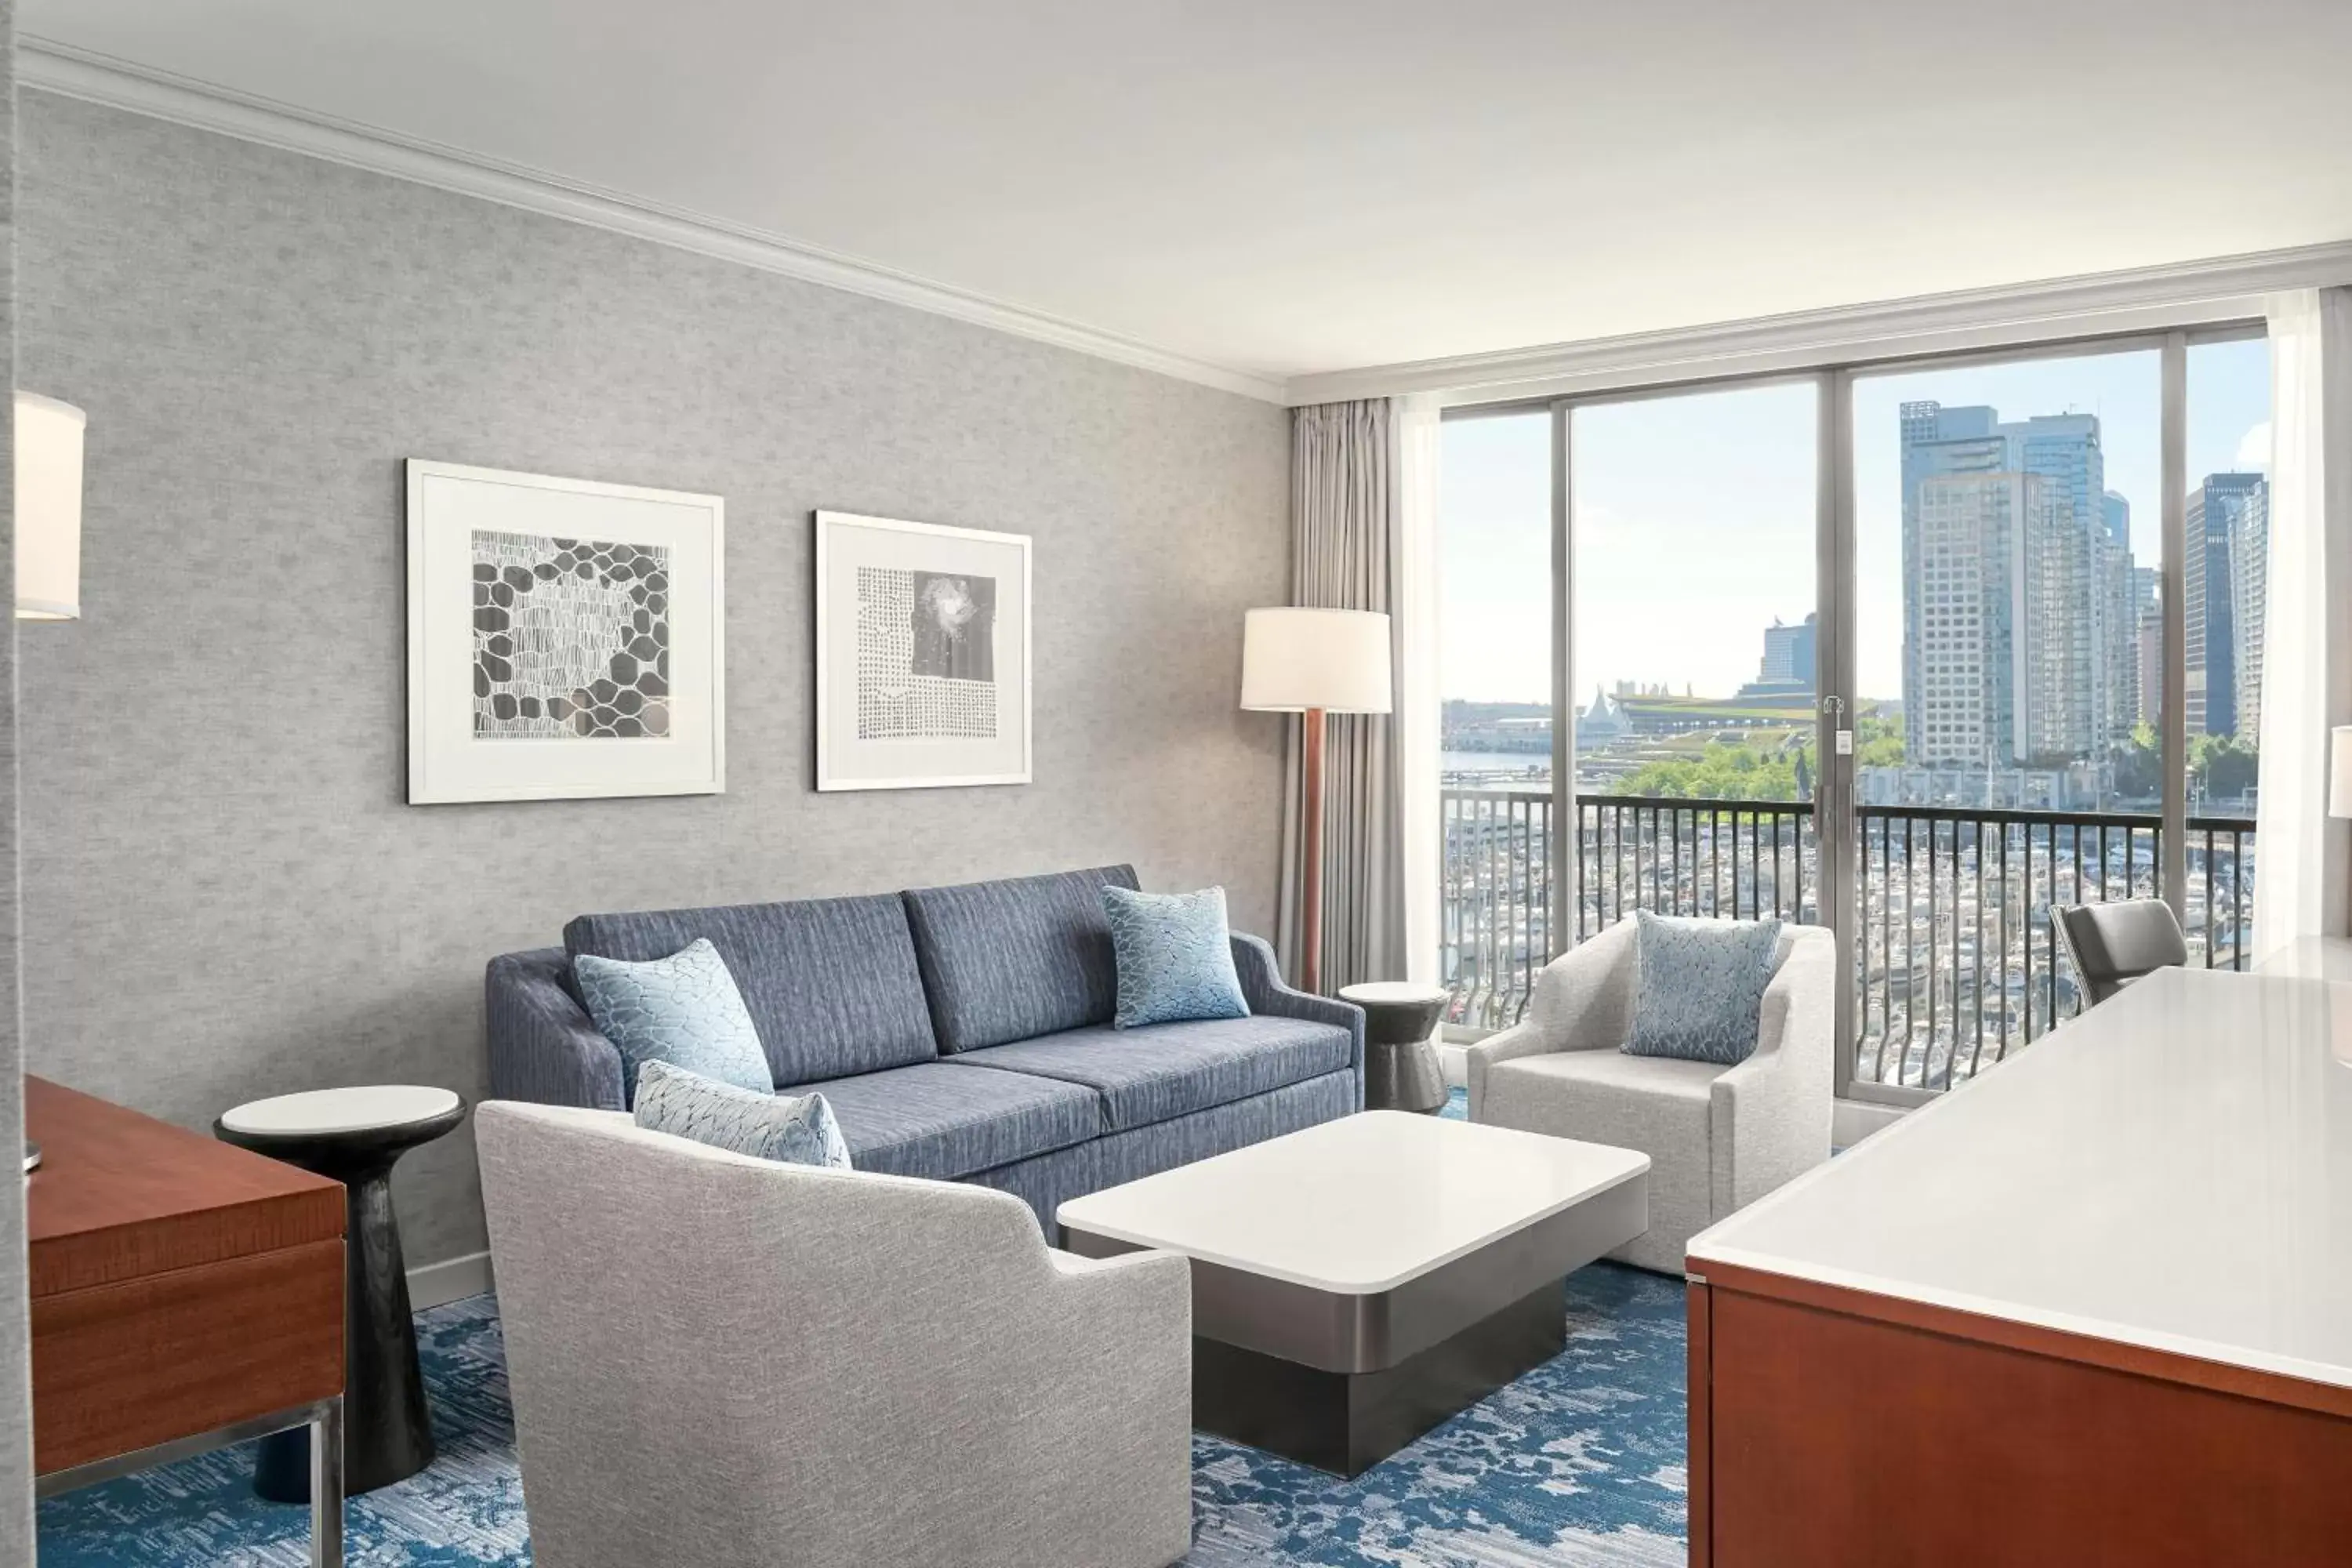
point(961, 1033)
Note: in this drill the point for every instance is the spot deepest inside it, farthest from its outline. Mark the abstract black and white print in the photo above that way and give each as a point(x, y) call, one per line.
point(570, 639)
point(926, 655)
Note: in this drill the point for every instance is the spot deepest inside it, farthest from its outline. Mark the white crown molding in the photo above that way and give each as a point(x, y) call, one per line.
point(61, 69)
point(2144, 299)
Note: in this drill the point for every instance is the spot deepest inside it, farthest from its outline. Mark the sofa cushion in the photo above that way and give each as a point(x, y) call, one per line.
point(790, 1129)
point(831, 984)
point(933, 1120)
point(684, 1009)
point(1163, 1070)
point(1014, 959)
point(1175, 957)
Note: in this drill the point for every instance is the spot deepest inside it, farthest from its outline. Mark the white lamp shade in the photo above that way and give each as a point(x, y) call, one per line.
point(48, 509)
point(2339, 770)
point(1294, 659)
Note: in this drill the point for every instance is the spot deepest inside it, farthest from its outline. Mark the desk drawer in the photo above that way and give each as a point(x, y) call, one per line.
point(120, 1367)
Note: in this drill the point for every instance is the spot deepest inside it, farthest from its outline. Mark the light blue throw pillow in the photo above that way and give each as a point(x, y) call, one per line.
point(1701, 987)
point(798, 1129)
point(683, 1010)
point(1175, 957)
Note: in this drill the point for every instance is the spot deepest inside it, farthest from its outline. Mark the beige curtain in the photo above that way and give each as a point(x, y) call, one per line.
point(2303, 890)
point(1347, 499)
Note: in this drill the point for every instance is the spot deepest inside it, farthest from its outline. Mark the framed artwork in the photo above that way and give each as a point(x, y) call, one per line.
point(922, 655)
point(566, 639)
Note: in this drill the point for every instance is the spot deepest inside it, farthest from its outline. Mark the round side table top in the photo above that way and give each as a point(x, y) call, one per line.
point(1392, 993)
point(325, 1112)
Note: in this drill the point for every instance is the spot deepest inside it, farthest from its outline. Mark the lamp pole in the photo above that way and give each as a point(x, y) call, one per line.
point(1310, 901)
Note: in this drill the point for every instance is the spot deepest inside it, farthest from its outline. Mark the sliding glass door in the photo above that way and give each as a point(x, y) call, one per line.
point(1495, 685)
point(1693, 611)
point(1918, 651)
point(2007, 534)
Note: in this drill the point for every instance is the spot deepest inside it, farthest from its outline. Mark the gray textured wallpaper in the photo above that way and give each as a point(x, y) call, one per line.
point(16, 1407)
point(225, 893)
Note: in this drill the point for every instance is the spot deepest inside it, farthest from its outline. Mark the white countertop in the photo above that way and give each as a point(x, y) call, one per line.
point(2173, 1169)
point(1357, 1205)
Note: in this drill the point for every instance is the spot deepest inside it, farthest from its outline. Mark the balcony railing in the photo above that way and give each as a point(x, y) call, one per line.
point(1955, 963)
point(1744, 858)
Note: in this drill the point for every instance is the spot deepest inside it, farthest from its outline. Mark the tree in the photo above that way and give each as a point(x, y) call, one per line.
point(2222, 768)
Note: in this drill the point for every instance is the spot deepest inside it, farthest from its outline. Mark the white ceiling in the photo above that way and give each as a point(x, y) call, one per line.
point(1291, 188)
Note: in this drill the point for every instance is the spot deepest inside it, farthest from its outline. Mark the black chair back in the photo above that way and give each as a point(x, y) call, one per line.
point(2110, 945)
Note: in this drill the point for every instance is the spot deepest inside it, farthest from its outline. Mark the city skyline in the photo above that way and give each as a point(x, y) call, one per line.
point(1737, 526)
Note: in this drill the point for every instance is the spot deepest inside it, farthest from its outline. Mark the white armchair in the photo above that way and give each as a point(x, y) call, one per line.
point(1718, 1138)
point(723, 1362)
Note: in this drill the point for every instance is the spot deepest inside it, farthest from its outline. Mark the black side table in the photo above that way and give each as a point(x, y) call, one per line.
point(1401, 1072)
point(354, 1136)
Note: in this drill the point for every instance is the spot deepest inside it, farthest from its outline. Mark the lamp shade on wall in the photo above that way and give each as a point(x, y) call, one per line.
point(48, 509)
point(1296, 660)
point(2339, 770)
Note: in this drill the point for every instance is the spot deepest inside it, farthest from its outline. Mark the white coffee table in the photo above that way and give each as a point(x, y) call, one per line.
point(1358, 1282)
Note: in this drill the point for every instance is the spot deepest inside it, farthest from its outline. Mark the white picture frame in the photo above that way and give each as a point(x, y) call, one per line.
point(902, 650)
point(628, 579)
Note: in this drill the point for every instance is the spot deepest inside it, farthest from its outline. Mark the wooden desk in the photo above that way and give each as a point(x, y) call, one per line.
point(2093, 1308)
point(185, 1295)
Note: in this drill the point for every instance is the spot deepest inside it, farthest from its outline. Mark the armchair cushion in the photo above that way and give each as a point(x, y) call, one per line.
point(1660, 1105)
point(1701, 987)
point(795, 1130)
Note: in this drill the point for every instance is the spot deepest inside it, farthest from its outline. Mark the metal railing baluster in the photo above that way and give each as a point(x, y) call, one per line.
point(1496, 876)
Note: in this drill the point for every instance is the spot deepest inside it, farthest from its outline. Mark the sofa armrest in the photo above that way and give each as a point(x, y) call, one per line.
point(543, 1045)
point(1262, 989)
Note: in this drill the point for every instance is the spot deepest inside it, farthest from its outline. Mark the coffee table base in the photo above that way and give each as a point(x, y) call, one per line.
point(1347, 1422)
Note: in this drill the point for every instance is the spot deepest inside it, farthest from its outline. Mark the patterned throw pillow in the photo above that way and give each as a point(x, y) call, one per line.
point(798, 1129)
point(1701, 988)
point(1175, 957)
point(683, 1009)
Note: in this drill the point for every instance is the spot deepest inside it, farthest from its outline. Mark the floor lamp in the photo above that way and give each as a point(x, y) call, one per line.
point(48, 525)
point(1312, 662)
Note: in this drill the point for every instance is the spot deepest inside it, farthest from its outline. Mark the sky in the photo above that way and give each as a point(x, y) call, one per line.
point(1695, 515)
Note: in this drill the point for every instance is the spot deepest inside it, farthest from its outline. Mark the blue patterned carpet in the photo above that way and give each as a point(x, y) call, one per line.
point(1578, 1464)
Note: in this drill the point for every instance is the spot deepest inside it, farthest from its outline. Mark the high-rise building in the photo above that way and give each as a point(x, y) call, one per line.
point(2250, 549)
point(2066, 447)
point(1960, 710)
point(2209, 643)
point(1936, 441)
point(2148, 662)
point(2005, 632)
point(1786, 669)
point(2055, 621)
point(2119, 634)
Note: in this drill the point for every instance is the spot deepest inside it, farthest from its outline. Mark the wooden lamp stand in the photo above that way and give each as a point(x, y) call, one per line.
point(1311, 853)
point(1312, 662)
